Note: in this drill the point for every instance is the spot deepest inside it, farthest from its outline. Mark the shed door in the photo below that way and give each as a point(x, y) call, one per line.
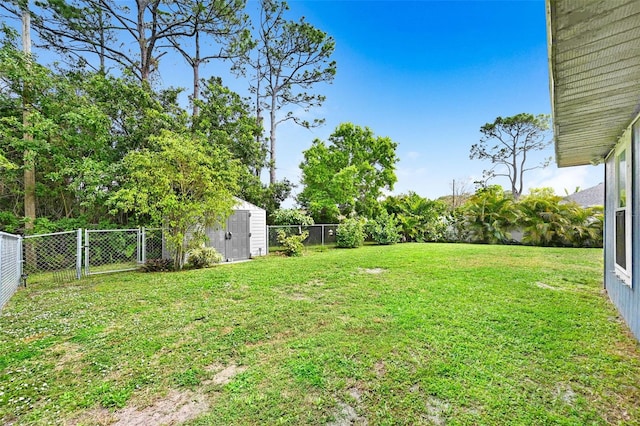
point(238, 235)
point(232, 241)
point(217, 240)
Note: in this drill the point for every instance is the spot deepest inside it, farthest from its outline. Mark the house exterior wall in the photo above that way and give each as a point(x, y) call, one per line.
point(624, 296)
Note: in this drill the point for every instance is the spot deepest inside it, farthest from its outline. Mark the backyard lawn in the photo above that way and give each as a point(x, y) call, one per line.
point(409, 334)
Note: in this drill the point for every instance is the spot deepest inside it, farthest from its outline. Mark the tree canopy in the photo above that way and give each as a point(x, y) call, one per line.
point(180, 183)
point(286, 60)
point(347, 175)
point(508, 144)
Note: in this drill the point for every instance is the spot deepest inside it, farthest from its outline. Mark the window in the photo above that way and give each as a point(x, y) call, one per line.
point(622, 218)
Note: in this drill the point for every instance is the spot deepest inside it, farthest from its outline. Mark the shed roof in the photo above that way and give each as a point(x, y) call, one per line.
point(594, 61)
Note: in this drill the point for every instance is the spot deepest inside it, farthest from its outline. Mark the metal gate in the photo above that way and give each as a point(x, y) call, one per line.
point(10, 265)
point(233, 242)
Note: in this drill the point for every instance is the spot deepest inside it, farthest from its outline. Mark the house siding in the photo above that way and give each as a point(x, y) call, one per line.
point(626, 298)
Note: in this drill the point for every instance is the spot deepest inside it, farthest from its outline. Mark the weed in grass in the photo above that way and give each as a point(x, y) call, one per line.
point(188, 378)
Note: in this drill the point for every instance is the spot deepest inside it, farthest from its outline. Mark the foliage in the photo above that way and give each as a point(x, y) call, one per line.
point(549, 221)
point(508, 143)
point(225, 119)
point(419, 219)
point(269, 196)
point(490, 215)
point(158, 265)
point(292, 243)
point(291, 217)
point(180, 183)
point(384, 229)
point(284, 61)
point(203, 257)
point(347, 175)
point(350, 233)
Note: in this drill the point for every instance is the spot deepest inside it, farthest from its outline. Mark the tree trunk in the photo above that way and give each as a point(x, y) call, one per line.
point(272, 141)
point(145, 66)
point(196, 76)
point(29, 161)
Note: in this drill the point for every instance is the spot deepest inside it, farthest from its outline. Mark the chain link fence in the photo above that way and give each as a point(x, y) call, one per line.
point(319, 235)
point(56, 256)
point(119, 250)
point(10, 265)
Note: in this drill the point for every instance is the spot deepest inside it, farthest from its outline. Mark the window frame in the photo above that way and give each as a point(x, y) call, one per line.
point(624, 147)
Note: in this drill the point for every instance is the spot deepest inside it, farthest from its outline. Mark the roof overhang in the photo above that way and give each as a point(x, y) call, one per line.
point(594, 72)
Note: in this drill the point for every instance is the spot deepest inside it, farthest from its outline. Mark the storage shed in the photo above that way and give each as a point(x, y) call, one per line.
point(244, 235)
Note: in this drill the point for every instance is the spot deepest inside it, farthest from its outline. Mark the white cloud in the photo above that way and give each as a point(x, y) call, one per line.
point(565, 180)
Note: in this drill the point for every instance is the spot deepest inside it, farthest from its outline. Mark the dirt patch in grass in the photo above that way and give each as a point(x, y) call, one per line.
point(436, 411)
point(565, 393)
point(299, 297)
point(380, 369)
point(175, 408)
point(70, 357)
point(224, 374)
point(373, 271)
point(546, 286)
point(347, 416)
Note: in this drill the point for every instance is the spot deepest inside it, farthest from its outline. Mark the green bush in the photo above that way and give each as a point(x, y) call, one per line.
point(292, 243)
point(203, 257)
point(158, 265)
point(384, 229)
point(350, 234)
point(291, 217)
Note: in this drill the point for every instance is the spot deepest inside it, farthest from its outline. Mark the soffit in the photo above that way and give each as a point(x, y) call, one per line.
point(594, 60)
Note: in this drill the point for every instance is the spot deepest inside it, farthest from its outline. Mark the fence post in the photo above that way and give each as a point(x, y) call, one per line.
point(0, 266)
point(322, 229)
point(268, 238)
point(143, 248)
point(86, 252)
point(79, 253)
point(20, 260)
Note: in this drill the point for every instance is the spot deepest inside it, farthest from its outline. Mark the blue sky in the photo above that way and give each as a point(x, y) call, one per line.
point(429, 74)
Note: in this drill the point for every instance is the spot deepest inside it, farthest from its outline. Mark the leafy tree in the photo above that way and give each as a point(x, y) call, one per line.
point(269, 197)
point(347, 176)
point(180, 183)
point(291, 217)
point(508, 142)
point(226, 119)
point(419, 219)
point(286, 59)
point(64, 127)
point(490, 215)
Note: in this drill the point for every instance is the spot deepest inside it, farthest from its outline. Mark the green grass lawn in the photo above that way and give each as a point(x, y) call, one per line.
point(407, 334)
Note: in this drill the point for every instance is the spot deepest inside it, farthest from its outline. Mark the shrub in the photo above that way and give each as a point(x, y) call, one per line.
point(384, 229)
point(203, 257)
point(350, 234)
point(158, 265)
point(292, 243)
